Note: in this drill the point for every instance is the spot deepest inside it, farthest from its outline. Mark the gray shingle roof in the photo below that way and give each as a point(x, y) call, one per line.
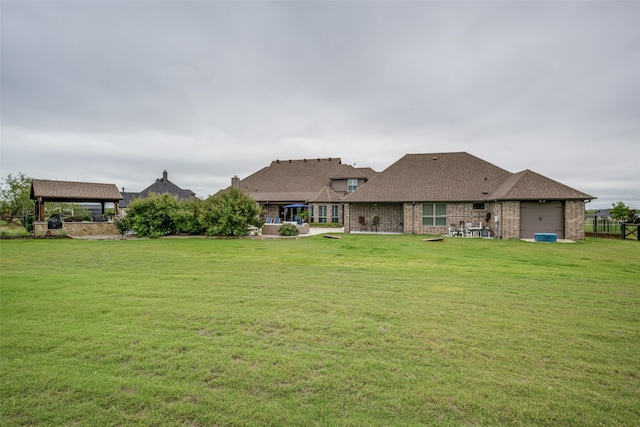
point(432, 177)
point(74, 191)
point(166, 187)
point(347, 172)
point(529, 185)
point(160, 186)
point(292, 180)
point(457, 177)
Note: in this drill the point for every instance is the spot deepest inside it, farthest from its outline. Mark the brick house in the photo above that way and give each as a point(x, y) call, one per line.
point(428, 193)
point(319, 183)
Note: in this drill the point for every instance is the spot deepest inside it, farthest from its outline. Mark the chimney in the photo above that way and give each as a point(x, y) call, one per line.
point(165, 176)
point(235, 181)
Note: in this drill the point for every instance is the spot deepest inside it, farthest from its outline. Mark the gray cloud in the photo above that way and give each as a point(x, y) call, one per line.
point(119, 91)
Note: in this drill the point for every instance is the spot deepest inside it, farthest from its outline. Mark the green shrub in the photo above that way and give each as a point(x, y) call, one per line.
point(325, 224)
point(153, 215)
point(288, 230)
point(122, 224)
point(28, 225)
point(12, 233)
point(229, 214)
point(186, 217)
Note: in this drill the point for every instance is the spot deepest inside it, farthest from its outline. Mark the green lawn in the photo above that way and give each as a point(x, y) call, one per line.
point(365, 330)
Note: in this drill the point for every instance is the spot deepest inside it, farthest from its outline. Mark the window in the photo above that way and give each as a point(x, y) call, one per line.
point(434, 214)
point(352, 185)
point(311, 214)
point(322, 213)
point(478, 206)
point(334, 213)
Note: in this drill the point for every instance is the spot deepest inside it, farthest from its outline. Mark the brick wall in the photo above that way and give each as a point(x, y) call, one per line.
point(574, 220)
point(389, 215)
point(458, 214)
point(510, 215)
point(410, 215)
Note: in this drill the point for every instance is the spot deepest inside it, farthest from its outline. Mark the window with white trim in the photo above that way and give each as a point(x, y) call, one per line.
point(352, 185)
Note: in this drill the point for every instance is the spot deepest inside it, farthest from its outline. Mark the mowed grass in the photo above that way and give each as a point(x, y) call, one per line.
point(365, 330)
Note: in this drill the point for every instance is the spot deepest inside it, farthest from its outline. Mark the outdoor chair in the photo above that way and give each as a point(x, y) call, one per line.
point(276, 220)
point(467, 229)
point(363, 223)
point(375, 222)
point(462, 230)
point(452, 231)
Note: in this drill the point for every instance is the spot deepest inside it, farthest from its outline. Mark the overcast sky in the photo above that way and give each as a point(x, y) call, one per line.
point(118, 91)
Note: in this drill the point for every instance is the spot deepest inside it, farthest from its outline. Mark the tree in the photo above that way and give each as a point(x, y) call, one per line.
point(229, 214)
point(15, 195)
point(620, 212)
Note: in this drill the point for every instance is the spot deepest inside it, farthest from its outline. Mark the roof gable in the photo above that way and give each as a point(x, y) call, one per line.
point(168, 187)
point(327, 195)
point(432, 177)
point(50, 190)
point(348, 172)
point(529, 185)
point(164, 186)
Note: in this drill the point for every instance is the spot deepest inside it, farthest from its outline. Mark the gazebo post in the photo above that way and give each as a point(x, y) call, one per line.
point(40, 209)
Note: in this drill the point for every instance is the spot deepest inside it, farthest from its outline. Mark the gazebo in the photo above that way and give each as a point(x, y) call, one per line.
point(43, 191)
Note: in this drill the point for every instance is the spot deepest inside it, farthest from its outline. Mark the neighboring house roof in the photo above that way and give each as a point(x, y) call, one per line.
point(434, 176)
point(602, 213)
point(294, 180)
point(529, 185)
point(127, 198)
point(160, 186)
point(164, 186)
point(74, 191)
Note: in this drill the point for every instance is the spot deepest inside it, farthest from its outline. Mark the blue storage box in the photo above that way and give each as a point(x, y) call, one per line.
point(546, 237)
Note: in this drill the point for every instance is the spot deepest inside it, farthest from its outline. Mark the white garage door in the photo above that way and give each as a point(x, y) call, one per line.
point(536, 217)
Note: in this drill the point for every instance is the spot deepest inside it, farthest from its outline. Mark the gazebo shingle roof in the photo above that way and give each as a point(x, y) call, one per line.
point(50, 190)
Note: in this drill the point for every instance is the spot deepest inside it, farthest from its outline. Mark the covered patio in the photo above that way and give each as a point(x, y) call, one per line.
point(43, 191)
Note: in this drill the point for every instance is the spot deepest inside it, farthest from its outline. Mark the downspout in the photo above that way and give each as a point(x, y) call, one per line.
point(413, 218)
point(501, 218)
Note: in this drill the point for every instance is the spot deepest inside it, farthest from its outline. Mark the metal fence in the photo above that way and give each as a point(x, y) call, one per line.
point(605, 227)
point(602, 227)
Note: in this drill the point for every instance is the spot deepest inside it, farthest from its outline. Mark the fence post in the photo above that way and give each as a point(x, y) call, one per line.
point(595, 226)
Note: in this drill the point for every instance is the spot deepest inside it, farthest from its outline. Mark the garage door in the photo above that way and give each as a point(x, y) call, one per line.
point(536, 217)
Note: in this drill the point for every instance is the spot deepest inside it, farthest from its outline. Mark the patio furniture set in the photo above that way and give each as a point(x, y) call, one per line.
point(469, 230)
